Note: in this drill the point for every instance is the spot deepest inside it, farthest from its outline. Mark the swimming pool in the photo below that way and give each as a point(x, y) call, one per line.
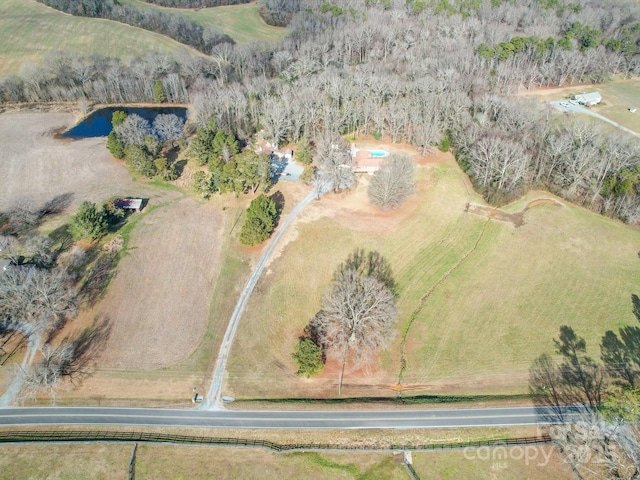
point(378, 153)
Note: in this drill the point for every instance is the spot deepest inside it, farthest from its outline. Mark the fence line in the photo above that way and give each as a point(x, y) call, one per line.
point(21, 436)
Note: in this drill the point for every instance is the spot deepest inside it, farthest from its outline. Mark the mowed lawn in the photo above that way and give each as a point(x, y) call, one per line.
point(240, 22)
point(30, 30)
point(617, 97)
point(501, 293)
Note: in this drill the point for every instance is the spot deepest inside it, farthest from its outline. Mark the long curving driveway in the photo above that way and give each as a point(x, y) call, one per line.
point(567, 107)
point(214, 396)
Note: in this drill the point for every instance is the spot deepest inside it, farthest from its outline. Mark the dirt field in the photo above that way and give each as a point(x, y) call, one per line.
point(35, 165)
point(158, 306)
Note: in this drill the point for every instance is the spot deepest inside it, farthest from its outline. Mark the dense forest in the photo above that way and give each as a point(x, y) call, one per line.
point(425, 72)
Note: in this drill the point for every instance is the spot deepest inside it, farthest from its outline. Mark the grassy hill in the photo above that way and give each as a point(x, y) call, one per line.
point(240, 22)
point(30, 30)
point(486, 297)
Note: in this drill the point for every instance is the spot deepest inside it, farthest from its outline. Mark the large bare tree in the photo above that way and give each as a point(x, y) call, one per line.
point(391, 185)
point(357, 317)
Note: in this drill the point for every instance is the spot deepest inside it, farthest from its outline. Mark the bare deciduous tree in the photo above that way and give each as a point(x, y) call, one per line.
point(357, 317)
point(133, 130)
point(39, 298)
point(44, 377)
point(393, 182)
point(168, 128)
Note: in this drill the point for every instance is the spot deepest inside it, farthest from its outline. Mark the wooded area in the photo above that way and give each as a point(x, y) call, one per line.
point(414, 71)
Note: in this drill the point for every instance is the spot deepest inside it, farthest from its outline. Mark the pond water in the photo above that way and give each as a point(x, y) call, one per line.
point(98, 124)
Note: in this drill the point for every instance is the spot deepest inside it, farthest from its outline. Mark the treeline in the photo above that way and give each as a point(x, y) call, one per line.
point(65, 76)
point(175, 26)
point(195, 3)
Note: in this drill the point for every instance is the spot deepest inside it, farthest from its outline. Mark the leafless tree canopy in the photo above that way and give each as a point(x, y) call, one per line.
point(35, 297)
point(393, 183)
point(357, 317)
point(45, 376)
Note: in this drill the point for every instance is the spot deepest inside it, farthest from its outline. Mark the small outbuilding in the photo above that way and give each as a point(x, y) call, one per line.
point(590, 99)
point(129, 204)
point(4, 264)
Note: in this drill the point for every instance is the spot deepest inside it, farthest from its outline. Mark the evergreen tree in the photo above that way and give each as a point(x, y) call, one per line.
point(260, 220)
point(158, 92)
point(88, 222)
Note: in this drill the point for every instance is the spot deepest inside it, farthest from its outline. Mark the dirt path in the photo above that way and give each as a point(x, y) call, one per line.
point(34, 341)
point(213, 399)
point(517, 219)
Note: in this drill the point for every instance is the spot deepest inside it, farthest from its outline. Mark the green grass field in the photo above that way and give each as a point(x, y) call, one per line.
point(240, 22)
point(30, 30)
point(496, 306)
point(617, 97)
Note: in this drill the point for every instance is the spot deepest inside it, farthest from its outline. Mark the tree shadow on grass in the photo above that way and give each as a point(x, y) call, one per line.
point(62, 237)
point(97, 281)
point(278, 198)
point(57, 204)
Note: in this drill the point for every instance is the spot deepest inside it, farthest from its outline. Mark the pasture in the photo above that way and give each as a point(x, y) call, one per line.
point(479, 299)
point(30, 30)
point(104, 461)
point(533, 463)
point(241, 22)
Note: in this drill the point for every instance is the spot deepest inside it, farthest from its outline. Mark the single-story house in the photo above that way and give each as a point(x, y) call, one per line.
point(129, 204)
point(592, 98)
point(366, 164)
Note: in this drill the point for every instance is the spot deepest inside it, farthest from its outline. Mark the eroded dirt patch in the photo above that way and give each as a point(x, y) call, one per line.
point(517, 219)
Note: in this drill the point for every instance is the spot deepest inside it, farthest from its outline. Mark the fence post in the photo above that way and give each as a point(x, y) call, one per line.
point(132, 462)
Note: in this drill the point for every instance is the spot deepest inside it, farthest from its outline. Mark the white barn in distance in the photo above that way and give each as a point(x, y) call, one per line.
point(592, 98)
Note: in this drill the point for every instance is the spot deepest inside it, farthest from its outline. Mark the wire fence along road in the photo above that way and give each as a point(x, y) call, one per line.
point(18, 436)
point(213, 397)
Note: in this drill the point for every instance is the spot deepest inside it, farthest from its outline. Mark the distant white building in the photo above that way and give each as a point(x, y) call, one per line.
point(589, 99)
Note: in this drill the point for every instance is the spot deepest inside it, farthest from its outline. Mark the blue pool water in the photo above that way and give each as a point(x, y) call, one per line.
point(98, 124)
point(378, 153)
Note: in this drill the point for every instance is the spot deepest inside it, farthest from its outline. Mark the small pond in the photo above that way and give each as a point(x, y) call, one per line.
point(98, 123)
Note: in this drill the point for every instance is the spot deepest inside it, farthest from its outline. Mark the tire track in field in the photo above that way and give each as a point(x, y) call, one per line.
point(423, 299)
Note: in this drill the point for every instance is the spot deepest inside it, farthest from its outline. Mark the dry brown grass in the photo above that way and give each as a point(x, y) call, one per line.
point(491, 464)
point(37, 166)
point(99, 462)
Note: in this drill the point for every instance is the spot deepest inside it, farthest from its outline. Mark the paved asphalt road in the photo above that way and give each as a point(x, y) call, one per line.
point(329, 419)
